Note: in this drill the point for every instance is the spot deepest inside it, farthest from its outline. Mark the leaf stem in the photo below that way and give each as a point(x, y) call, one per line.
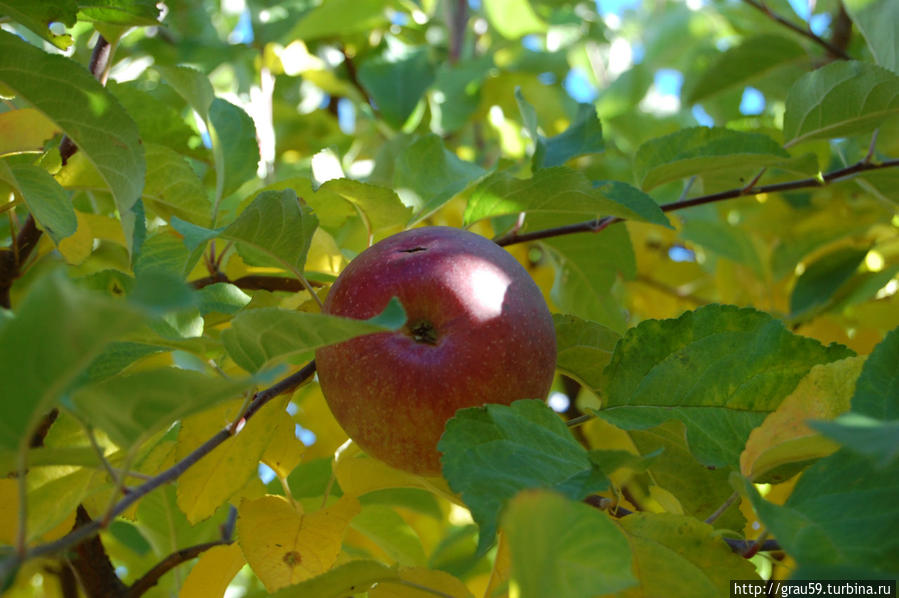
point(720, 510)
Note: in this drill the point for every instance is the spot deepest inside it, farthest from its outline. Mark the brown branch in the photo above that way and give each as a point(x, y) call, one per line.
point(152, 577)
point(596, 225)
point(91, 565)
point(833, 50)
point(256, 282)
point(458, 19)
point(169, 475)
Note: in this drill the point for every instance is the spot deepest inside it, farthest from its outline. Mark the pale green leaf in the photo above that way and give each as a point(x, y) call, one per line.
point(383, 526)
point(724, 240)
point(343, 580)
point(878, 22)
point(668, 547)
point(37, 17)
point(560, 190)
point(840, 99)
point(56, 333)
point(150, 400)
point(173, 188)
point(719, 369)
point(513, 18)
point(753, 59)
point(565, 549)
point(88, 114)
point(341, 17)
point(48, 202)
point(277, 226)
point(396, 78)
point(702, 150)
point(234, 141)
point(381, 207)
point(583, 349)
point(261, 337)
point(490, 453)
point(192, 85)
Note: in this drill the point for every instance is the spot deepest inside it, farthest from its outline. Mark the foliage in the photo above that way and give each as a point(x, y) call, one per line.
point(706, 192)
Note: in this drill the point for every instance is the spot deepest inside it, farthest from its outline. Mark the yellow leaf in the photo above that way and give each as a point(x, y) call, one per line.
point(359, 474)
point(784, 439)
point(284, 546)
point(212, 481)
point(324, 254)
point(284, 451)
point(24, 130)
point(213, 572)
point(78, 246)
point(419, 582)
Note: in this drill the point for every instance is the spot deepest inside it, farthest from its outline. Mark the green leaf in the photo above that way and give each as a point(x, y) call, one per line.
point(37, 16)
point(341, 17)
point(342, 580)
point(383, 526)
point(668, 546)
point(877, 390)
point(840, 99)
point(587, 269)
point(725, 240)
point(159, 122)
point(757, 57)
point(583, 136)
point(47, 201)
point(192, 85)
point(719, 369)
point(427, 175)
point(583, 349)
point(222, 297)
point(564, 549)
point(261, 337)
point(490, 453)
point(702, 150)
point(513, 18)
point(560, 190)
point(277, 226)
point(381, 207)
point(56, 333)
point(87, 113)
point(120, 12)
point(815, 527)
point(236, 149)
point(116, 357)
point(396, 78)
point(878, 22)
point(173, 188)
point(864, 435)
point(823, 278)
point(699, 490)
point(149, 401)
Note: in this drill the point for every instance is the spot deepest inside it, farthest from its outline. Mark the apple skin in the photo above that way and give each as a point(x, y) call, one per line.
point(478, 331)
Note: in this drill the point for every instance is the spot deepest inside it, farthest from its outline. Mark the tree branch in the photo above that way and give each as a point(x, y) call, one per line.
point(833, 50)
point(152, 577)
point(169, 475)
point(596, 225)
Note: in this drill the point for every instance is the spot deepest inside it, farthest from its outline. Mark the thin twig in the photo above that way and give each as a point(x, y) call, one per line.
point(803, 31)
point(152, 577)
point(720, 510)
point(169, 475)
point(593, 226)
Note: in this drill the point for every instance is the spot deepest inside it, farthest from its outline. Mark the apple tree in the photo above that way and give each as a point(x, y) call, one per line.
point(704, 191)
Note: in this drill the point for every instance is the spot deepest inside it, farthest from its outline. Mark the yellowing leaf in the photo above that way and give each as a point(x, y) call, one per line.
point(212, 481)
point(76, 247)
point(359, 474)
point(679, 556)
point(24, 130)
point(285, 546)
point(213, 572)
point(779, 447)
point(502, 567)
point(315, 416)
point(324, 254)
point(419, 582)
point(284, 451)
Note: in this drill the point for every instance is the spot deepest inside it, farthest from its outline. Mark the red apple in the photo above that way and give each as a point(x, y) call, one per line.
point(478, 331)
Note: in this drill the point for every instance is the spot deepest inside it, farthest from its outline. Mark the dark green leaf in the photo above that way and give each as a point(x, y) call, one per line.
point(48, 202)
point(877, 390)
point(840, 99)
point(725, 240)
point(823, 277)
point(260, 337)
point(878, 22)
point(491, 453)
point(703, 150)
point(87, 113)
point(864, 435)
point(719, 369)
point(234, 139)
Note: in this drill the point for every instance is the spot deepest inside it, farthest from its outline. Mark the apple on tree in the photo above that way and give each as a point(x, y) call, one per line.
point(478, 331)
